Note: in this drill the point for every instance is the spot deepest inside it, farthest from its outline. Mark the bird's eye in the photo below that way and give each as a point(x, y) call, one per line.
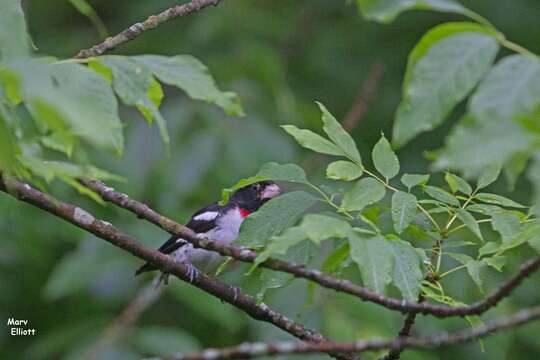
point(256, 187)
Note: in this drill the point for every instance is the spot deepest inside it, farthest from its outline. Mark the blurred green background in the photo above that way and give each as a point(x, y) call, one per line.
point(279, 57)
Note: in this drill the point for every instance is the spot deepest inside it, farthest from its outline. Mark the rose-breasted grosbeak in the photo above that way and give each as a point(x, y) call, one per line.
point(217, 223)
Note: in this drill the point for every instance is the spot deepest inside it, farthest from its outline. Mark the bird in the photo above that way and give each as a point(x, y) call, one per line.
point(219, 223)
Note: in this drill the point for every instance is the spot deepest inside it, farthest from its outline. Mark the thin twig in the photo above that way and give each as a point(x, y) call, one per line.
point(405, 331)
point(301, 271)
point(252, 350)
point(145, 298)
point(365, 96)
point(151, 22)
point(106, 231)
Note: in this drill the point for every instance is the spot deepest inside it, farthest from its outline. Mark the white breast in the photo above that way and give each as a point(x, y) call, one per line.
point(226, 231)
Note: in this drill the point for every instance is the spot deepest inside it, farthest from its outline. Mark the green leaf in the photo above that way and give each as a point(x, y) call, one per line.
point(533, 174)
point(68, 173)
point(514, 82)
point(92, 106)
point(489, 248)
point(484, 209)
point(312, 141)
point(385, 160)
point(412, 180)
point(496, 262)
point(441, 195)
point(443, 68)
point(339, 136)
point(288, 172)
point(532, 236)
point(343, 170)
point(407, 275)
point(470, 222)
point(87, 10)
point(497, 200)
point(365, 192)
point(492, 132)
point(11, 87)
point(336, 259)
point(514, 168)
point(8, 146)
point(37, 167)
point(281, 243)
point(62, 141)
point(13, 36)
point(529, 232)
point(507, 224)
point(299, 253)
point(318, 227)
point(71, 98)
point(387, 10)
point(473, 268)
point(163, 341)
point(227, 192)
point(457, 184)
point(273, 217)
point(488, 175)
point(135, 85)
point(374, 259)
point(403, 210)
point(269, 171)
point(190, 75)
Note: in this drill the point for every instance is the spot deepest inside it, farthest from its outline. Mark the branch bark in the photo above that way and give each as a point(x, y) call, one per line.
point(252, 350)
point(146, 297)
point(151, 22)
point(301, 271)
point(104, 230)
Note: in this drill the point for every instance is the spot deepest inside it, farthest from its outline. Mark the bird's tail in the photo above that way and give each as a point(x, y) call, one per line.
point(145, 268)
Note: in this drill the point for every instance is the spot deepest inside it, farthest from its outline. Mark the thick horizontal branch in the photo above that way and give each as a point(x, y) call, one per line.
point(301, 271)
point(252, 350)
point(151, 22)
point(104, 230)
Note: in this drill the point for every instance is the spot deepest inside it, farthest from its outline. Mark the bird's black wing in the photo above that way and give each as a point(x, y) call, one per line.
point(198, 226)
point(197, 223)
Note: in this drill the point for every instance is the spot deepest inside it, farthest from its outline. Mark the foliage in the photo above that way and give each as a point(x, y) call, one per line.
point(448, 231)
point(73, 106)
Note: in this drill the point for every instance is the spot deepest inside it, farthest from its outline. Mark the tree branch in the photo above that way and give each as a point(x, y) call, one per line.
point(365, 96)
point(104, 230)
point(301, 271)
point(252, 350)
point(119, 326)
point(151, 22)
point(404, 332)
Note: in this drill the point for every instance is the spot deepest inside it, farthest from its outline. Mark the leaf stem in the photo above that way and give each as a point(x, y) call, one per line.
point(453, 218)
point(463, 225)
point(329, 201)
point(516, 47)
point(452, 270)
point(390, 187)
point(500, 37)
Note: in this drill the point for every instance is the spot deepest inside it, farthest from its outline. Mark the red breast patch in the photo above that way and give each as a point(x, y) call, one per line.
point(244, 213)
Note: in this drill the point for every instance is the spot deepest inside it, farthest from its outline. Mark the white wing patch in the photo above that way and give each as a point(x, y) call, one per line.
point(207, 216)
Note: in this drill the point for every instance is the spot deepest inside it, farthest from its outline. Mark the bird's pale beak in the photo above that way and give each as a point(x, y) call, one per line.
point(271, 191)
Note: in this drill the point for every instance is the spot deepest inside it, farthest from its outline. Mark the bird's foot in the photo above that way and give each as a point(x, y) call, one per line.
point(192, 272)
point(163, 278)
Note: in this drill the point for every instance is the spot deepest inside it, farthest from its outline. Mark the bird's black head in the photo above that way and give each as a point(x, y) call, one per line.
point(253, 196)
